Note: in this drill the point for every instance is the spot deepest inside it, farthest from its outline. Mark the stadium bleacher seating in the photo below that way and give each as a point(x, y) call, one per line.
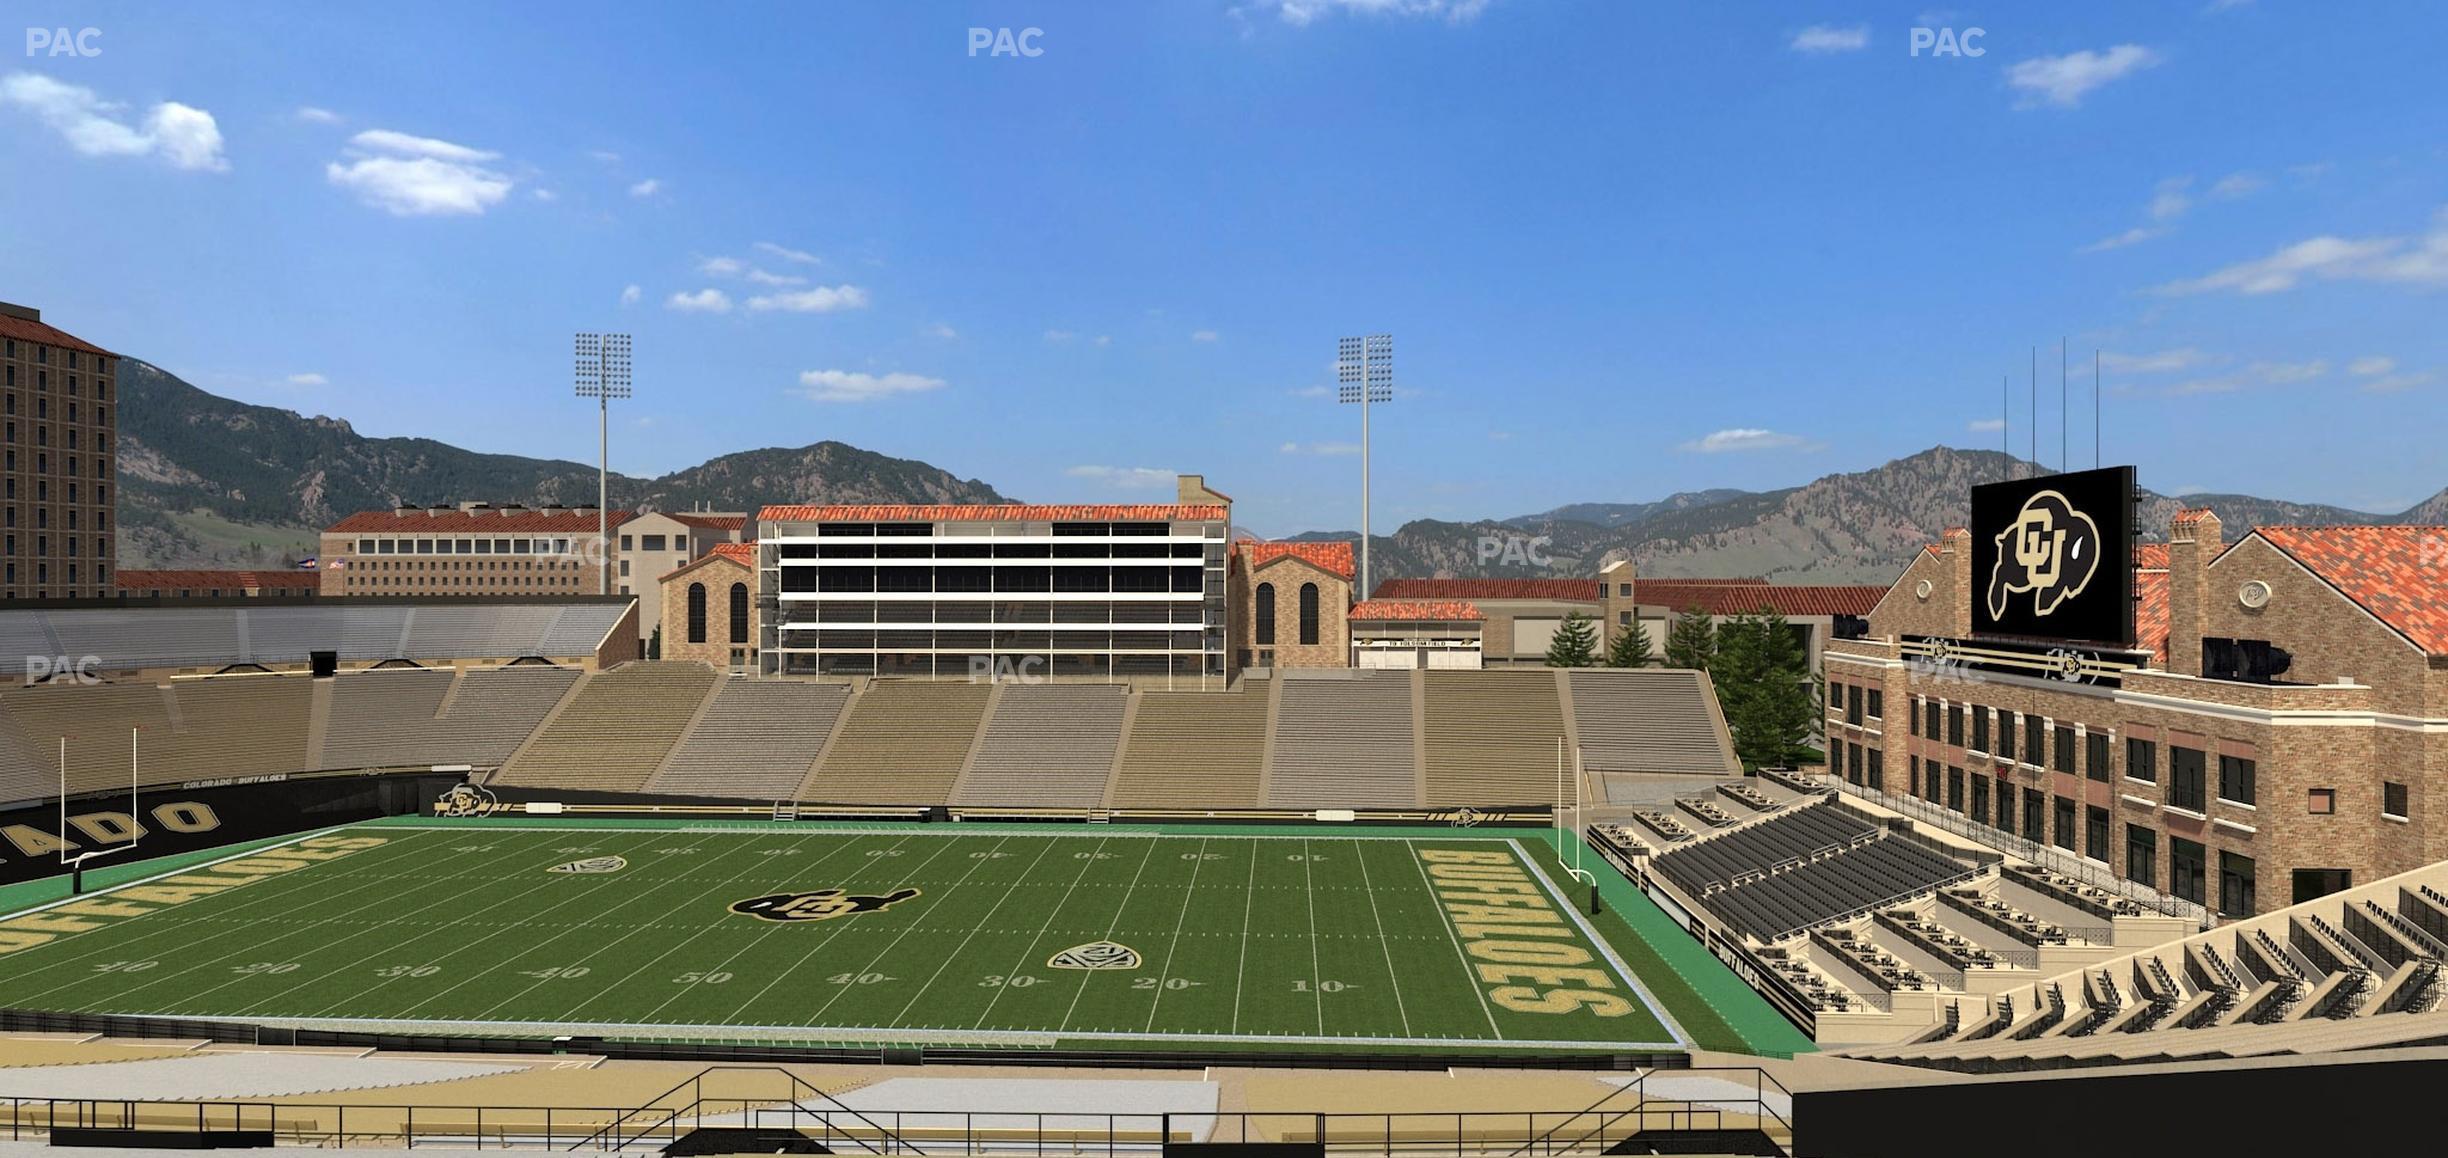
point(1811, 864)
point(755, 742)
point(904, 742)
point(1194, 750)
point(1344, 742)
point(238, 725)
point(210, 638)
point(1649, 720)
point(95, 721)
point(384, 718)
point(1048, 746)
point(615, 730)
point(1491, 737)
point(492, 711)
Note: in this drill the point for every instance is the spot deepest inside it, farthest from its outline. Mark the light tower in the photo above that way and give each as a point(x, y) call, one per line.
point(602, 372)
point(1364, 373)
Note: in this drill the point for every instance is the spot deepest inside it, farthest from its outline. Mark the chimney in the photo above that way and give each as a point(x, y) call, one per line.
point(1955, 551)
point(406, 509)
point(2194, 539)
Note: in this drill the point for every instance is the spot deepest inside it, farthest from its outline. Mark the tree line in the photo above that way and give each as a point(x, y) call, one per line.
point(1759, 664)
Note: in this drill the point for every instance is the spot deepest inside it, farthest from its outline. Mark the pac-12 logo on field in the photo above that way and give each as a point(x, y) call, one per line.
point(1096, 955)
point(819, 905)
point(592, 864)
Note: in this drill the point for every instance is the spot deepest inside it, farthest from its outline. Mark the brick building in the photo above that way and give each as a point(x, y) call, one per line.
point(2273, 736)
point(1521, 615)
point(218, 584)
point(1290, 604)
point(58, 436)
point(471, 549)
point(654, 543)
point(708, 608)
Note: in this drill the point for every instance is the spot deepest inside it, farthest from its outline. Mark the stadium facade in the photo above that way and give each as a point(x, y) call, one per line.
point(473, 549)
point(61, 426)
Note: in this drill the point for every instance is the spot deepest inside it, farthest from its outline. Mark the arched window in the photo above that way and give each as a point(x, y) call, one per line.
point(739, 613)
point(1265, 615)
point(696, 613)
point(1309, 613)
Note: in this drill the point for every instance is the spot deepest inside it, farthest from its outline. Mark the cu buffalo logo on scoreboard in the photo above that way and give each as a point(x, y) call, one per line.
point(818, 904)
point(2050, 551)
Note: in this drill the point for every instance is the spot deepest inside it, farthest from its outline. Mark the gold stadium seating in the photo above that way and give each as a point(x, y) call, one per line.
point(903, 743)
point(615, 730)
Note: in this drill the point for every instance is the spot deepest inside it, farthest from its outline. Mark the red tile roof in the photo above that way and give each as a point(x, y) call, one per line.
point(991, 512)
point(529, 520)
point(2399, 574)
point(2151, 599)
point(1426, 609)
point(2188, 516)
point(1572, 590)
point(709, 522)
point(1335, 557)
point(28, 331)
point(218, 580)
point(743, 554)
point(1717, 597)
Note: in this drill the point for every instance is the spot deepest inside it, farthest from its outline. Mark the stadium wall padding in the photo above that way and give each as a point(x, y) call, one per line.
point(179, 820)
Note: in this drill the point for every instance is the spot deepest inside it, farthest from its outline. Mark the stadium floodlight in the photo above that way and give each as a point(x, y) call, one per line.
point(602, 373)
point(1364, 373)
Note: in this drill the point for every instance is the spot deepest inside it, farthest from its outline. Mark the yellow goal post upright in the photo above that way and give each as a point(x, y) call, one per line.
point(1571, 840)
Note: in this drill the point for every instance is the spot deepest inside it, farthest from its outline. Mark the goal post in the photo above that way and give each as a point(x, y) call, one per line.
point(75, 864)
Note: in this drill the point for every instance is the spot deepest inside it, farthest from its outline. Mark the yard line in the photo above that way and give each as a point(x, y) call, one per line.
point(1317, 974)
point(284, 932)
point(1361, 854)
point(954, 955)
point(676, 943)
point(1456, 934)
point(1110, 929)
point(906, 874)
point(1031, 951)
point(1179, 919)
point(1249, 901)
point(832, 933)
point(532, 888)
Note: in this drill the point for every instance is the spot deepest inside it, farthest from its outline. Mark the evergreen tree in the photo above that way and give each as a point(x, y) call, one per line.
point(1766, 687)
point(1630, 647)
point(1692, 640)
point(1575, 643)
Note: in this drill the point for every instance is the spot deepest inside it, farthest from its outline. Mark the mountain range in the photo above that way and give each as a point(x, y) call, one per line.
point(209, 482)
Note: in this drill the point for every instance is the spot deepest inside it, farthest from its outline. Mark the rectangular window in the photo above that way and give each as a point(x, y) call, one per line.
point(2005, 819)
point(1878, 706)
point(2006, 736)
point(2141, 760)
point(2095, 756)
point(2322, 802)
point(1878, 770)
point(2095, 833)
point(2035, 815)
point(1955, 721)
point(2313, 884)
point(1930, 726)
point(2187, 787)
point(2235, 885)
point(2062, 757)
point(2236, 774)
point(2393, 800)
point(1853, 704)
point(1980, 729)
point(1980, 797)
point(2186, 863)
point(1955, 790)
point(2142, 855)
point(2065, 824)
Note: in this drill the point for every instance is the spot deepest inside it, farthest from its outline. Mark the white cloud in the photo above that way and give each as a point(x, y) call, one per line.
point(1985, 425)
point(1823, 39)
point(2288, 373)
point(411, 176)
point(1203, 335)
point(856, 386)
point(761, 277)
point(721, 266)
point(309, 379)
point(2063, 81)
point(544, 195)
point(2163, 362)
point(1746, 438)
point(2235, 185)
point(2171, 199)
point(704, 301)
point(185, 136)
point(2205, 386)
point(2391, 383)
point(1125, 477)
point(1313, 392)
point(1328, 449)
point(1059, 335)
point(822, 299)
point(1300, 13)
point(944, 331)
point(606, 156)
point(2133, 236)
point(646, 188)
point(2403, 260)
point(315, 116)
point(786, 253)
point(630, 295)
point(2371, 365)
point(1104, 339)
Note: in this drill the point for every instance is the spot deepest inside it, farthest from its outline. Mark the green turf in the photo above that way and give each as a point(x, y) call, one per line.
point(1292, 940)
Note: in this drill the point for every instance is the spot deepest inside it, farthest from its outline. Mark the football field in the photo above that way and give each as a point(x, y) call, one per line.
point(924, 934)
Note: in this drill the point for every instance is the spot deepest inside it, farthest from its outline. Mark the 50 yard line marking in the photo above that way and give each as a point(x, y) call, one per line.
point(827, 940)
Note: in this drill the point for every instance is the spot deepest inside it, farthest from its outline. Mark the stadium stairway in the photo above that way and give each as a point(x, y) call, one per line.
point(615, 730)
point(1490, 737)
point(385, 718)
point(1193, 750)
point(490, 712)
point(1664, 720)
point(1046, 746)
point(1344, 740)
point(755, 740)
point(904, 742)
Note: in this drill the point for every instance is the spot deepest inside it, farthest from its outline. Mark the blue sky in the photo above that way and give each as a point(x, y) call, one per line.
point(1625, 249)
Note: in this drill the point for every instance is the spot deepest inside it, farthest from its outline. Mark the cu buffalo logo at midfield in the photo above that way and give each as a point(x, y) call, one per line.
point(819, 905)
point(1096, 955)
point(2051, 550)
